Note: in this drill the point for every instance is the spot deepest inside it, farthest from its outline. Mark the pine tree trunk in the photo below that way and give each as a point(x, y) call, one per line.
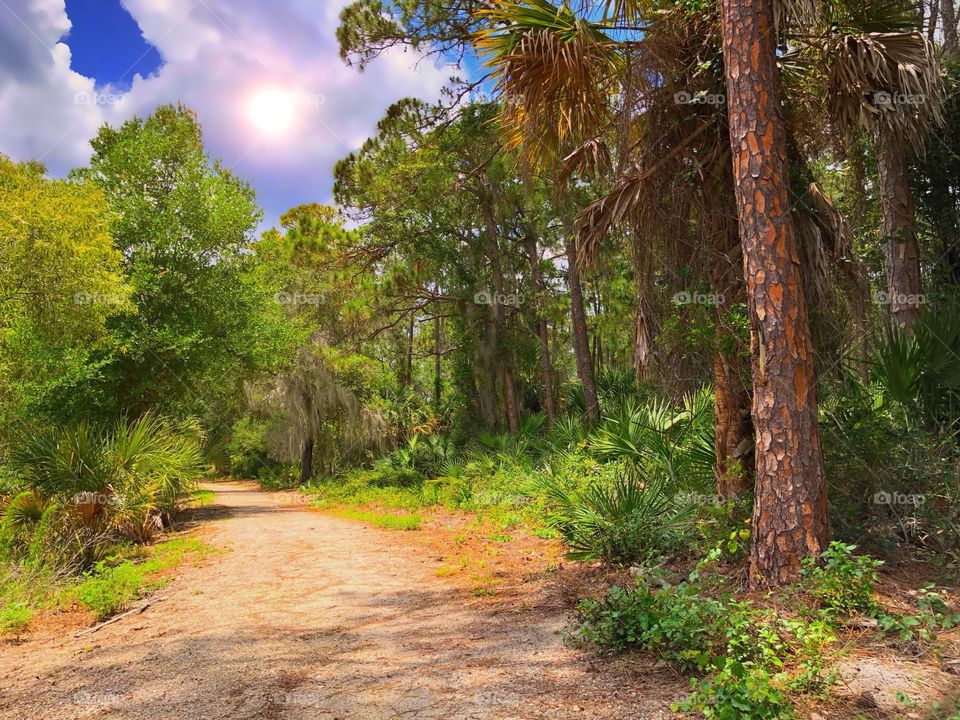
point(900, 248)
point(790, 518)
point(581, 342)
point(546, 366)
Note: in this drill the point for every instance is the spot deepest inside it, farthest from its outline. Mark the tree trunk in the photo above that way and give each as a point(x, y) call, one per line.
point(503, 352)
point(408, 360)
point(900, 247)
point(949, 27)
point(790, 518)
point(437, 353)
point(733, 424)
point(581, 343)
point(306, 461)
point(934, 16)
point(543, 330)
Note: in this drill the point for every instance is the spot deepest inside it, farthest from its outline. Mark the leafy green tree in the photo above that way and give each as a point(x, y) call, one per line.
point(184, 225)
point(60, 281)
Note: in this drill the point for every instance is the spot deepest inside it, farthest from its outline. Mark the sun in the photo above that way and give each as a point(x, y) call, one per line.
point(272, 110)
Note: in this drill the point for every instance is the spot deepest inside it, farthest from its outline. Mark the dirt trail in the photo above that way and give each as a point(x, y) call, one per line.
point(312, 616)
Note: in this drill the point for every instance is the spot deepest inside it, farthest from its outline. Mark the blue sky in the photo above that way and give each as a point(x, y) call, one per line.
point(276, 103)
point(107, 45)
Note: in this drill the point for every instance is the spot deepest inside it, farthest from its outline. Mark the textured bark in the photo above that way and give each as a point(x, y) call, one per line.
point(934, 17)
point(581, 343)
point(733, 423)
point(790, 518)
point(546, 366)
point(408, 360)
point(900, 248)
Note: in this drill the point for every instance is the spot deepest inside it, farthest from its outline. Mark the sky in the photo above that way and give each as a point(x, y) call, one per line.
point(277, 104)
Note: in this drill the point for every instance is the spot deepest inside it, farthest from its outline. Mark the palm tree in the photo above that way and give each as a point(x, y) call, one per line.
point(880, 75)
point(656, 142)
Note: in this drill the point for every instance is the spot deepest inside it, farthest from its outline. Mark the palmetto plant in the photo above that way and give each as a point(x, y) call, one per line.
point(920, 371)
point(626, 520)
point(122, 480)
point(675, 443)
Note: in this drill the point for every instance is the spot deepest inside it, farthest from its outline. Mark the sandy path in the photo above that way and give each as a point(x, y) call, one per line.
point(312, 616)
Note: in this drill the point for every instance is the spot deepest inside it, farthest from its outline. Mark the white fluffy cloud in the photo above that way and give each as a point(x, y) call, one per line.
point(218, 55)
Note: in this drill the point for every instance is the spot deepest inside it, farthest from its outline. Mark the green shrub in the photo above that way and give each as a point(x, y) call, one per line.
point(738, 692)
point(91, 484)
point(115, 582)
point(249, 454)
point(108, 590)
point(841, 581)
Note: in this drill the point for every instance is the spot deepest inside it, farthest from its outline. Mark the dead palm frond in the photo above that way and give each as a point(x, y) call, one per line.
point(885, 81)
point(592, 159)
point(876, 71)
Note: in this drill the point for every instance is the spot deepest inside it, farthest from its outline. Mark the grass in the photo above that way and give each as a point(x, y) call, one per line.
point(111, 586)
point(390, 521)
point(14, 619)
point(202, 496)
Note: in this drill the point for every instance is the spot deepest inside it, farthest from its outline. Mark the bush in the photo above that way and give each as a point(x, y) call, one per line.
point(841, 581)
point(14, 619)
point(249, 454)
point(90, 485)
point(738, 692)
point(630, 519)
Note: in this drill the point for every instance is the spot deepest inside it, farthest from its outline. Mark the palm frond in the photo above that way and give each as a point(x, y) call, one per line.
point(555, 73)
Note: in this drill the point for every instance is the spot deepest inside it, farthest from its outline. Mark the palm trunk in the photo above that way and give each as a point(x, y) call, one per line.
point(546, 365)
point(901, 249)
point(790, 518)
point(733, 423)
point(581, 342)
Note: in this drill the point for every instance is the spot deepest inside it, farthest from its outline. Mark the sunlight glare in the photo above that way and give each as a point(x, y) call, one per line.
point(271, 110)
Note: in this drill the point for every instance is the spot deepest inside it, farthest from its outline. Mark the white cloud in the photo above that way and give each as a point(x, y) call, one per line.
point(217, 54)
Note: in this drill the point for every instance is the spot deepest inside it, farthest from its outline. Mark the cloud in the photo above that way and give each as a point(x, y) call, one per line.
point(217, 55)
